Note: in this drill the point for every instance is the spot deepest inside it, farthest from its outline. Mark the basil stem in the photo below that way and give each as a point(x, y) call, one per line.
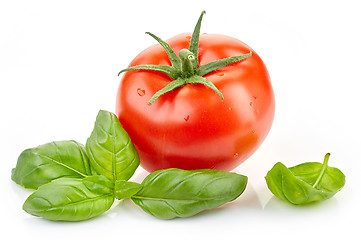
point(124, 189)
point(171, 193)
point(305, 183)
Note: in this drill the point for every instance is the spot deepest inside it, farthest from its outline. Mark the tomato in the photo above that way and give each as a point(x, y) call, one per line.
point(191, 127)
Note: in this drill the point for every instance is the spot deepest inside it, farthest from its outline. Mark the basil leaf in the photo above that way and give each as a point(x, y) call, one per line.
point(42, 164)
point(110, 150)
point(124, 189)
point(67, 199)
point(305, 183)
point(171, 193)
point(99, 184)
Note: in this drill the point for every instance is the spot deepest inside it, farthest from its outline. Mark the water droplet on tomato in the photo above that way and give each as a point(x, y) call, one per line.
point(235, 155)
point(141, 92)
point(186, 118)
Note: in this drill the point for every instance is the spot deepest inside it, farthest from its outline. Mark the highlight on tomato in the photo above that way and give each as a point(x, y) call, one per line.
point(196, 101)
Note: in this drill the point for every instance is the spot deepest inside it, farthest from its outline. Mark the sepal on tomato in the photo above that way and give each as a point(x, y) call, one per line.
point(185, 68)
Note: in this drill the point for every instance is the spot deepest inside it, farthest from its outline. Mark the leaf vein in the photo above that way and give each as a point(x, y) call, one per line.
point(59, 163)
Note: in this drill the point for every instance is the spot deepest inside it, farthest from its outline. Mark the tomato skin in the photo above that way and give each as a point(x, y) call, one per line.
point(191, 127)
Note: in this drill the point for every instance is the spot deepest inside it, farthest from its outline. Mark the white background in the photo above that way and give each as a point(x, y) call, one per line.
point(58, 66)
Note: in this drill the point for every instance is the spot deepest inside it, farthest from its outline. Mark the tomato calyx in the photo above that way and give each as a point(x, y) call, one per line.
point(184, 67)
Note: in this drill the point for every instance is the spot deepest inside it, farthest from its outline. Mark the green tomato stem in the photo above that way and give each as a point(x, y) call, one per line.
point(322, 173)
point(187, 59)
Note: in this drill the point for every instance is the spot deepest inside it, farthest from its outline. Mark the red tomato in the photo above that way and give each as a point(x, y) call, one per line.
point(191, 127)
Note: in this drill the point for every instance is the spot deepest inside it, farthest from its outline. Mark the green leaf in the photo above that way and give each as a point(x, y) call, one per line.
point(67, 199)
point(99, 184)
point(305, 183)
point(171, 193)
point(110, 150)
point(124, 189)
point(42, 164)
